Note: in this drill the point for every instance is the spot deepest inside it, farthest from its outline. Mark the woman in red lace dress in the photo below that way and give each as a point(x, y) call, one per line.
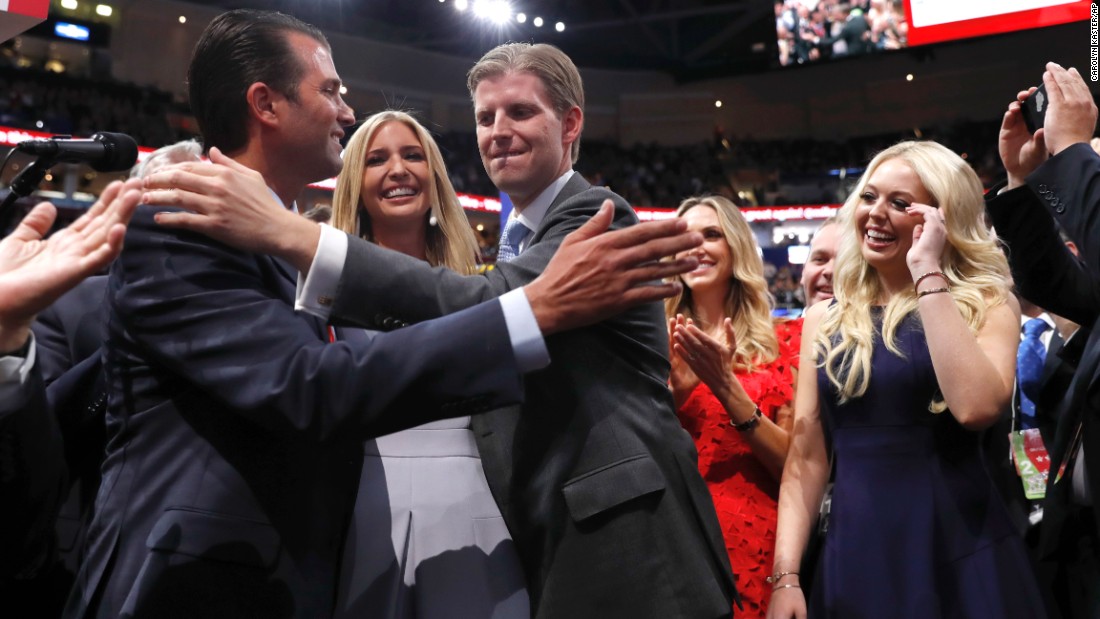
point(732, 379)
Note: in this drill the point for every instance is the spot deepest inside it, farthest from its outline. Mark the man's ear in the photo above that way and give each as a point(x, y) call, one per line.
point(263, 103)
point(571, 124)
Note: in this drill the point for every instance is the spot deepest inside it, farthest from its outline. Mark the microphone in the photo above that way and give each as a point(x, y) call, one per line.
point(105, 152)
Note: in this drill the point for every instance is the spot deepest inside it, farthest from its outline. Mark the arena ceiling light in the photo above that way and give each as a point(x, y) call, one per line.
point(497, 11)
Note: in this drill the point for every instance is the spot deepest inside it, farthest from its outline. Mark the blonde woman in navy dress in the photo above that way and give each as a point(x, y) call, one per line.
point(915, 357)
point(426, 538)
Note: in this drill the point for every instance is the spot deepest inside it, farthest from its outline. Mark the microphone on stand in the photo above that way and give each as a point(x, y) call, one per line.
point(104, 152)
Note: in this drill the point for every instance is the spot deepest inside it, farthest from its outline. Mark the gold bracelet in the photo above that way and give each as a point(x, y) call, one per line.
point(925, 293)
point(929, 274)
point(774, 578)
point(778, 587)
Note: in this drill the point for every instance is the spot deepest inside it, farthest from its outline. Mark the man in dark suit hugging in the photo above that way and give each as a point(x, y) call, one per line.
point(234, 429)
point(593, 474)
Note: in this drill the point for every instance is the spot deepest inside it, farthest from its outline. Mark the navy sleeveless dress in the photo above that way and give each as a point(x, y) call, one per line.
point(917, 529)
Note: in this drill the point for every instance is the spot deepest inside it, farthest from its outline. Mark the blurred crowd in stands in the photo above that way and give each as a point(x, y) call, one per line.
point(44, 101)
point(784, 171)
point(645, 174)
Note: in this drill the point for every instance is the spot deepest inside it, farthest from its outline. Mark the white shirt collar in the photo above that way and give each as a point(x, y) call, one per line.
point(532, 215)
point(1045, 317)
point(293, 205)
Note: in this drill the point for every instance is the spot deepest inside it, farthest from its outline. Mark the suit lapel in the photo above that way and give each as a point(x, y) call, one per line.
point(1050, 365)
point(283, 267)
point(495, 430)
point(287, 285)
point(575, 185)
point(1076, 400)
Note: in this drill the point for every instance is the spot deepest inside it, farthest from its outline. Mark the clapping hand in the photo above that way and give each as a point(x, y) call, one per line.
point(707, 357)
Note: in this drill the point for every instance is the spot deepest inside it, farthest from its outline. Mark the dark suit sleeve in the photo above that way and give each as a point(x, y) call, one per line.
point(54, 355)
point(70, 330)
point(366, 293)
point(32, 476)
point(1069, 185)
point(219, 320)
point(1045, 271)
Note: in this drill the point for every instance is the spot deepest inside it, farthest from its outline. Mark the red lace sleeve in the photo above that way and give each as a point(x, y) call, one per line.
point(789, 334)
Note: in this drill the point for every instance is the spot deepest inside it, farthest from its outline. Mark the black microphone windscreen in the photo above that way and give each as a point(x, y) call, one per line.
point(122, 152)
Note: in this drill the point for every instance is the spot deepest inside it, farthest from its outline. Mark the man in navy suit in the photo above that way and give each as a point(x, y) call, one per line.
point(234, 429)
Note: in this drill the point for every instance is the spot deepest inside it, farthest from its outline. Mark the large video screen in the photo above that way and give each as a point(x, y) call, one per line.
point(811, 31)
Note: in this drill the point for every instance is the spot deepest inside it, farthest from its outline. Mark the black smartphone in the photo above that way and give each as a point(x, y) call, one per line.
point(1035, 109)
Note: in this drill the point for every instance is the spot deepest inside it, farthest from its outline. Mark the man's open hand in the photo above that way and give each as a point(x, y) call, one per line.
point(35, 271)
point(596, 274)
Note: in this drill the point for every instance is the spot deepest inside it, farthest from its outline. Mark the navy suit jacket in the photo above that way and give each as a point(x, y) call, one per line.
point(32, 476)
point(1065, 189)
point(70, 336)
point(235, 430)
point(594, 475)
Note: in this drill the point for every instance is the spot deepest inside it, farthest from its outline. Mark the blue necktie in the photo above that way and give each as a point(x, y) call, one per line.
point(513, 234)
point(1029, 369)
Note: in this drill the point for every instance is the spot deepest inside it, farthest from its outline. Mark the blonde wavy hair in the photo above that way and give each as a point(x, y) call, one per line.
point(450, 242)
point(748, 303)
point(973, 263)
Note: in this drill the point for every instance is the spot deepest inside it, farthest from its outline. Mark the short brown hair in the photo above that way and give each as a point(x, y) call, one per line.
point(556, 71)
point(239, 48)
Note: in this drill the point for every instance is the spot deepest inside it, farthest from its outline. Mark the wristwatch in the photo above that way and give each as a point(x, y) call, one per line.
point(749, 423)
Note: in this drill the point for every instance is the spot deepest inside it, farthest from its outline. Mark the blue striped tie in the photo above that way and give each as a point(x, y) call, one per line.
point(513, 234)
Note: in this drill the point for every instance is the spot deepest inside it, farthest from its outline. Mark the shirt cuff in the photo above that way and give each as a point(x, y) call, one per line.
point(316, 292)
point(528, 344)
point(14, 370)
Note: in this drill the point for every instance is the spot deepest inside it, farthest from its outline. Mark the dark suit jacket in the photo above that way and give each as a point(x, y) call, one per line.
point(235, 431)
point(70, 337)
point(1047, 274)
point(595, 477)
point(32, 477)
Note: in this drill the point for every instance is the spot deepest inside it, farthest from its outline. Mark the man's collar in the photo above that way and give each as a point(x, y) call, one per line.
point(1045, 317)
point(532, 215)
point(293, 205)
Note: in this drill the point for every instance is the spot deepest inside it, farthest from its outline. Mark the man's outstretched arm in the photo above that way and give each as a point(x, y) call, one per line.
point(596, 274)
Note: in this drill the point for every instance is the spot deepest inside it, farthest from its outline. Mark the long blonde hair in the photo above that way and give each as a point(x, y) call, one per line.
point(973, 263)
point(748, 302)
point(450, 242)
